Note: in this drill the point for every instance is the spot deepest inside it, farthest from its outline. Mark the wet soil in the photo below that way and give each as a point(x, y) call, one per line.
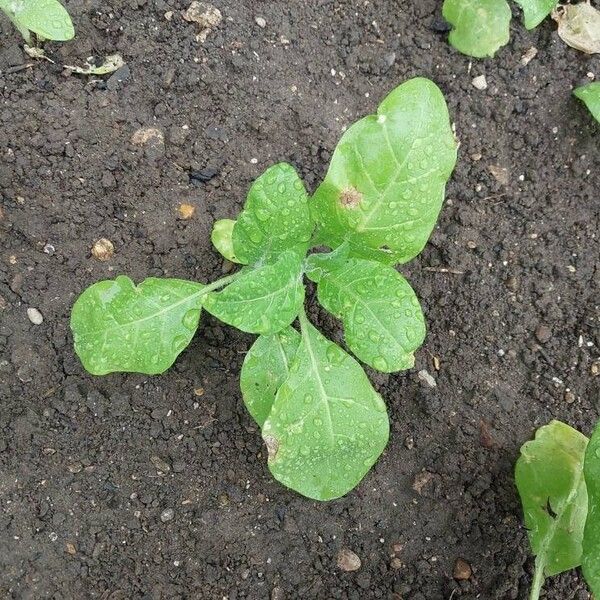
point(131, 487)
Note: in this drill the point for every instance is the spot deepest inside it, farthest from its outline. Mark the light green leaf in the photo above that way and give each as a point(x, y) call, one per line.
point(327, 426)
point(221, 238)
point(590, 94)
point(265, 368)
point(261, 300)
point(591, 535)
point(383, 321)
point(480, 27)
point(549, 477)
point(46, 18)
point(385, 184)
point(118, 326)
point(535, 11)
point(275, 217)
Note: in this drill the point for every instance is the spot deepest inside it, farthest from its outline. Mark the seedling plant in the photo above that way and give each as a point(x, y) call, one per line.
point(558, 478)
point(322, 421)
point(48, 19)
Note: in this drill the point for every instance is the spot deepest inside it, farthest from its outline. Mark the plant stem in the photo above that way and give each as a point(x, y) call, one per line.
point(219, 283)
point(538, 579)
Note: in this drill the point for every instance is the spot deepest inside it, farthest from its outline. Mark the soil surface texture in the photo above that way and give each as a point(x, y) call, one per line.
point(130, 487)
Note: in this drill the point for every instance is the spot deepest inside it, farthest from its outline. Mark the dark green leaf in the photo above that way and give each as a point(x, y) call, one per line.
point(385, 184)
point(120, 327)
point(327, 426)
point(261, 300)
point(265, 368)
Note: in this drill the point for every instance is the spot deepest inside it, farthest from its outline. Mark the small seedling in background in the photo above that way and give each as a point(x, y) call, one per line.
point(558, 478)
point(590, 95)
point(481, 27)
point(48, 19)
point(323, 423)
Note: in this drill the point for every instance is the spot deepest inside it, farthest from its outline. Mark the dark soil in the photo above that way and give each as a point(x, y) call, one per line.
point(514, 324)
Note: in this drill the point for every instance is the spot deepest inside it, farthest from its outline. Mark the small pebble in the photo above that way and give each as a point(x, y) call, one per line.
point(569, 397)
point(348, 561)
point(160, 464)
point(462, 570)
point(167, 515)
point(425, 376)
point(186, 211)
point(49, 249)
point(35, 316)
point(480, 82)
point(260, 22)
point(103, 249)
point(543, 333)
point(396, 564)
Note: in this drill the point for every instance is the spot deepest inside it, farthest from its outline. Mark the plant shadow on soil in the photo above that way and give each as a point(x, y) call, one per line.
point(83, 479)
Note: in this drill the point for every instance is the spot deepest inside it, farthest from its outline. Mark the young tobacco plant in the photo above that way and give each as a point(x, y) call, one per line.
point(323, 423)
point(48, 19)
point(558, 478)
point(481, 27)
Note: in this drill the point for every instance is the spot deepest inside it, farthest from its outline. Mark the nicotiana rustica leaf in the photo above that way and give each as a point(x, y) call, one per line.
point(385, 184)
point(262, 299)
point(383, 321)
point(549, 477)
point(327, 426)
point(265, 368)
point(479, 27)
point(275, 217)
point(118, 326)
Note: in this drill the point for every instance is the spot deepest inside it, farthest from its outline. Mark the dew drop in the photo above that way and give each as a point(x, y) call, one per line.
point(191, 318)
point(380, 363)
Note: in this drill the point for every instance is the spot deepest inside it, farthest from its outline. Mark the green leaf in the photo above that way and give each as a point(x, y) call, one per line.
point(221, 238)
point(535, 11)
point(261, 300)
point(275, 217)
point(327, 426)
point(549, 477)
point(118, 326)
point(385, 184)
point(265, 368)
point(383, 321)
point(46, 18)
point(591, 535)
point(480, 27)
point(590, 94)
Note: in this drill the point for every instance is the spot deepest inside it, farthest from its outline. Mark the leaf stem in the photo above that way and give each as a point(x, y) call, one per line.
point(538, 578)
point(219, 283)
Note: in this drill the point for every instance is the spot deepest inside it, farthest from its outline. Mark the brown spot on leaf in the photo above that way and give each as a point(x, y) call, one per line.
point(272, 444)
point(350, 197)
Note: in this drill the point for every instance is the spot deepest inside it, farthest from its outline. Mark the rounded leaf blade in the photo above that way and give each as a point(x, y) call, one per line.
point(46, 18)
point(480, 27)
point(327, 426)
point(382, 317)
point(386, 180)
point(275, 217)
point(265, 368)
point(262, 299)
point(118, 326)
